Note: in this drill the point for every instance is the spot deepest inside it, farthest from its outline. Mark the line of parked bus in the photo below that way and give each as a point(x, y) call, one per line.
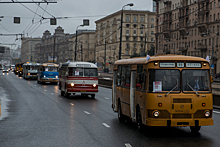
point(73, 77)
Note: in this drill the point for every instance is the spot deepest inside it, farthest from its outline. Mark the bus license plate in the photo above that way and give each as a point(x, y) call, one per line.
point(82, 90)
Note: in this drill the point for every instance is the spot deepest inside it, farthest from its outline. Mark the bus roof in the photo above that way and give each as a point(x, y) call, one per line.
point(79, 64)
point(159, 58)
point(49, 64)
point(26, 64)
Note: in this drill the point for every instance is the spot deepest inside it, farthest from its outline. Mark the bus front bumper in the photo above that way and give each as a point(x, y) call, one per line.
point(179, 122)
point(82, 91)
point(50, 80)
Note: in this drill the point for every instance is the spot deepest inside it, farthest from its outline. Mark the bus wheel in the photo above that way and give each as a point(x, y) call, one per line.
point(139, 120)
point(61, 93)
point(195, 129)
point(121, 117)
point(93, 96)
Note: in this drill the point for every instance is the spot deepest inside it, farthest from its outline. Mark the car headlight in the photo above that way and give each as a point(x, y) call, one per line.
point(44, 76)
point(94, 85)
point(207, 113)
point(57, 77)
point(72, 84)
point(156, 113)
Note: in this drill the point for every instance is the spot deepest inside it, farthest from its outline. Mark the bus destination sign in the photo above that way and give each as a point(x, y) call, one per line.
point(163, 64)
point(83, 65)
point(180, 65)
point(198, 65)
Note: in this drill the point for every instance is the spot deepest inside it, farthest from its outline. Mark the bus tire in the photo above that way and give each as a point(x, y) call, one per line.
point(139, 120)
point(195, 129)
point(121, 117)
point(93, 96)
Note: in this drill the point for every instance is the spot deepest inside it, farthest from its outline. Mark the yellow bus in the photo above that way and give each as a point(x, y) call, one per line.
point(168, 90)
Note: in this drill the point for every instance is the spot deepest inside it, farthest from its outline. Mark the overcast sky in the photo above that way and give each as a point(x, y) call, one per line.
point(76, 9)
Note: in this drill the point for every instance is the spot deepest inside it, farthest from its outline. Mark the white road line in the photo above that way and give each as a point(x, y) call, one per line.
point(106, 98)
point(216, 112)
point(87, 112)
point(71, 104)
point(127, 145)
point(52, 93)
point(107, 126)
point(45, 90)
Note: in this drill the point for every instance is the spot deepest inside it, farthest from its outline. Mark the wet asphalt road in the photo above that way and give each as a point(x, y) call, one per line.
point(37, 115)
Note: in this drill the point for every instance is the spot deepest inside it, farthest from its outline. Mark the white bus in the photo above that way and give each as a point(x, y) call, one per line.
point(78, 78)
point(30, 70)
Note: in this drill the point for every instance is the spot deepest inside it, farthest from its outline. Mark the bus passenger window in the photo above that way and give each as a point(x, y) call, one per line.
point(123, 75)
point(119, 75)
point(128, 76)
point(144, 79)
point(139, 79)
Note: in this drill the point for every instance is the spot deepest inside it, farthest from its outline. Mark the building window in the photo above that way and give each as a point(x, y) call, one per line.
point(141, 45)
point(127, 45)
point(127, 19)
point(152, 20)
point(127, 32)
point(134, 38)
point(152, 39)
point(152, 26)
point(127, 38)
point(135, 19)
point(152, 32)
point(213, 29)
point(142, 39)
point(142, 19)
point(142, 32)
point(195, 32)
point(127, 52)
point(134, 51)
point(135, 32)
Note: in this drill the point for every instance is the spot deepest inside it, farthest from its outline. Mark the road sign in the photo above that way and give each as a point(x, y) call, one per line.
point(212, 66)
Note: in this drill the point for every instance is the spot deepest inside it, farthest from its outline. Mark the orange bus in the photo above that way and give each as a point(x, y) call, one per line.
point(169, 90)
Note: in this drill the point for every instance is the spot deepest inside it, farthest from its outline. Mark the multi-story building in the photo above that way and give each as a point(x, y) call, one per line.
point(85, 45)
point(5, 57)
point(188, 27)
point(60, 47)
point(137, 36)
point(28, 49)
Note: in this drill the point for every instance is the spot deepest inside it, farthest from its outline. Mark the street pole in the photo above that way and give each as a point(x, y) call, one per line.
point(76, 44)
point(130, 4)
point(145, 42)
point(81, 53)
point(31, 51)
point(54, 49)
point(212, 55)
point(105, 53)
point(121, 34)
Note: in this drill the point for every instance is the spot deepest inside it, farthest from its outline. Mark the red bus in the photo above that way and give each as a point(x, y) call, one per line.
point(78, 78)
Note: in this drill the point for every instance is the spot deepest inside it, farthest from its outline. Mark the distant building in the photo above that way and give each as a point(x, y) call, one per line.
point(137, 36)
point(188, 28)
point(5, 57)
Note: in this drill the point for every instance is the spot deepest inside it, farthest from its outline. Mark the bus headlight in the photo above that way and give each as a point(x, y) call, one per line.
point(44, 76)
point(156, 113)
point(56, 77)
point(72, 84)
point(94, 85)
point(207, 113)
point(28, 73)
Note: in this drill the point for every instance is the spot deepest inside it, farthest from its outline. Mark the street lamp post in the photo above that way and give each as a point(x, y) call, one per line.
point(130, 4)
point(85, 23)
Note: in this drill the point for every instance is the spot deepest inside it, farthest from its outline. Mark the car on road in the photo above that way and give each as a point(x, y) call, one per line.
point(217, 75)
point(5, 69)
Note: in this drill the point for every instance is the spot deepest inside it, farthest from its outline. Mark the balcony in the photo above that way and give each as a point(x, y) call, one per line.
point(203, 28)
point(167, 33)
point(183, 31)
point(202, 47)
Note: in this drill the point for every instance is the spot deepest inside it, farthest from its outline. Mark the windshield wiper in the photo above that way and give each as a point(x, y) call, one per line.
point(171, 90)
point(193, 89)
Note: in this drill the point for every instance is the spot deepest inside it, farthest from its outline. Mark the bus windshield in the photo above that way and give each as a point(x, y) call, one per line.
point(49, 68)
point(161, 80)
point(195, 80)
point(86, 72)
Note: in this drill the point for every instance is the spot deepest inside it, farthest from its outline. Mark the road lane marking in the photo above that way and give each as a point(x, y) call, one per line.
point(71, 104)
point(216, 112)
point(87, 112)
point(104, 124)
point(127, 145)
point(45, 90)
point(106, 98)
point(52, 93)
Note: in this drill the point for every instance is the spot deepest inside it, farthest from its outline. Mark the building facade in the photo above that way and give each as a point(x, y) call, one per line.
point(188, 27)
point(28, 49)
point(138, 30)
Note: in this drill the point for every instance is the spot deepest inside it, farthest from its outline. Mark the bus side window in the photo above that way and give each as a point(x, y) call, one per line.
point(123, 75)
point(128, 76)
point(119, 75)
point(144, 74)
point(139, 79)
